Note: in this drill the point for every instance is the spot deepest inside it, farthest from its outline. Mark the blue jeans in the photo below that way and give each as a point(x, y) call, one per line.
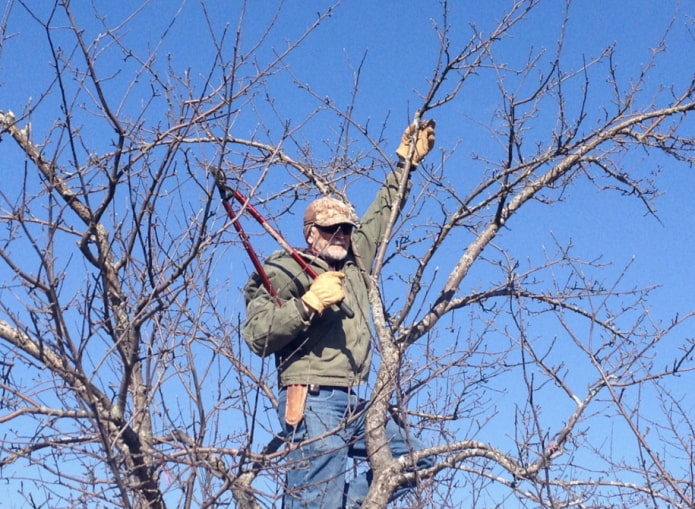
point(316, 471)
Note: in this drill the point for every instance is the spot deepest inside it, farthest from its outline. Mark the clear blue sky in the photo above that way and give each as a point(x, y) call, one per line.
point(396, 47)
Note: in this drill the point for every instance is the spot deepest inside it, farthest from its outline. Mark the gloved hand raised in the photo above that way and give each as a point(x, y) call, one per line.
point(424, 141)
point(325, 290)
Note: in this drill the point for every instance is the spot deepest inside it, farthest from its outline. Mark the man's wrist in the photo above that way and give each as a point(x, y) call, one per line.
point(305, 311)
point(401, 164)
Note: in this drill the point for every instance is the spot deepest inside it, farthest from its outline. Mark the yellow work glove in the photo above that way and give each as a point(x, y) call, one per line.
point(424, 141)
point(326, 290)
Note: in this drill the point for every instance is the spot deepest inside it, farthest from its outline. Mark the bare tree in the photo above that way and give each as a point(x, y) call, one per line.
point(125, 382)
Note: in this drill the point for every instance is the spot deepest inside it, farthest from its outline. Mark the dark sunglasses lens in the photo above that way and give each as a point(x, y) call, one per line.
point(333, 229)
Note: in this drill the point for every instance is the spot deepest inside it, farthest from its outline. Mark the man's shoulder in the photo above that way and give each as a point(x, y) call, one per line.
point(280, 254)
point(283, 257)
point(284, 262)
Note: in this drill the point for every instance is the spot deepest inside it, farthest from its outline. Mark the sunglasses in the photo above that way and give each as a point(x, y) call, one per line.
point(335, 228)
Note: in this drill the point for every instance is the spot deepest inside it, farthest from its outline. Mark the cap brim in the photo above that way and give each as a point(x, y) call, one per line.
point(333, 222)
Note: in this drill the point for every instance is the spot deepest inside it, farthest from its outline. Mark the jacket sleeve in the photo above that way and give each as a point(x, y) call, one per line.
point(269, 325)
point(369, 235)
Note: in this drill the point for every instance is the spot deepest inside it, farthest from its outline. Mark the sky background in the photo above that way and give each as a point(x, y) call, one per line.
point(395, 47)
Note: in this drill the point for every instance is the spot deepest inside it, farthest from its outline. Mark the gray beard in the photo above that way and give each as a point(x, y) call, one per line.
point(333, 259)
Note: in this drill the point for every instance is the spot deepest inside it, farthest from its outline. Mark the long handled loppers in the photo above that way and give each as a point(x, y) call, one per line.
point(226, 193)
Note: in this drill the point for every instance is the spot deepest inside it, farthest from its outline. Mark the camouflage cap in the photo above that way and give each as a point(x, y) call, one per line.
point(328, 211)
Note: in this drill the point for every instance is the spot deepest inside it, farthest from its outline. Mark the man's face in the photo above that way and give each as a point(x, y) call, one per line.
point(330, 242)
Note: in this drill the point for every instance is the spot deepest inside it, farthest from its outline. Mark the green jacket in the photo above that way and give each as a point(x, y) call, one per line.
point(330, 349)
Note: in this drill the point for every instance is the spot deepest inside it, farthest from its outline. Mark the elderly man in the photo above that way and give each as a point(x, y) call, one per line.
point(322, 355)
